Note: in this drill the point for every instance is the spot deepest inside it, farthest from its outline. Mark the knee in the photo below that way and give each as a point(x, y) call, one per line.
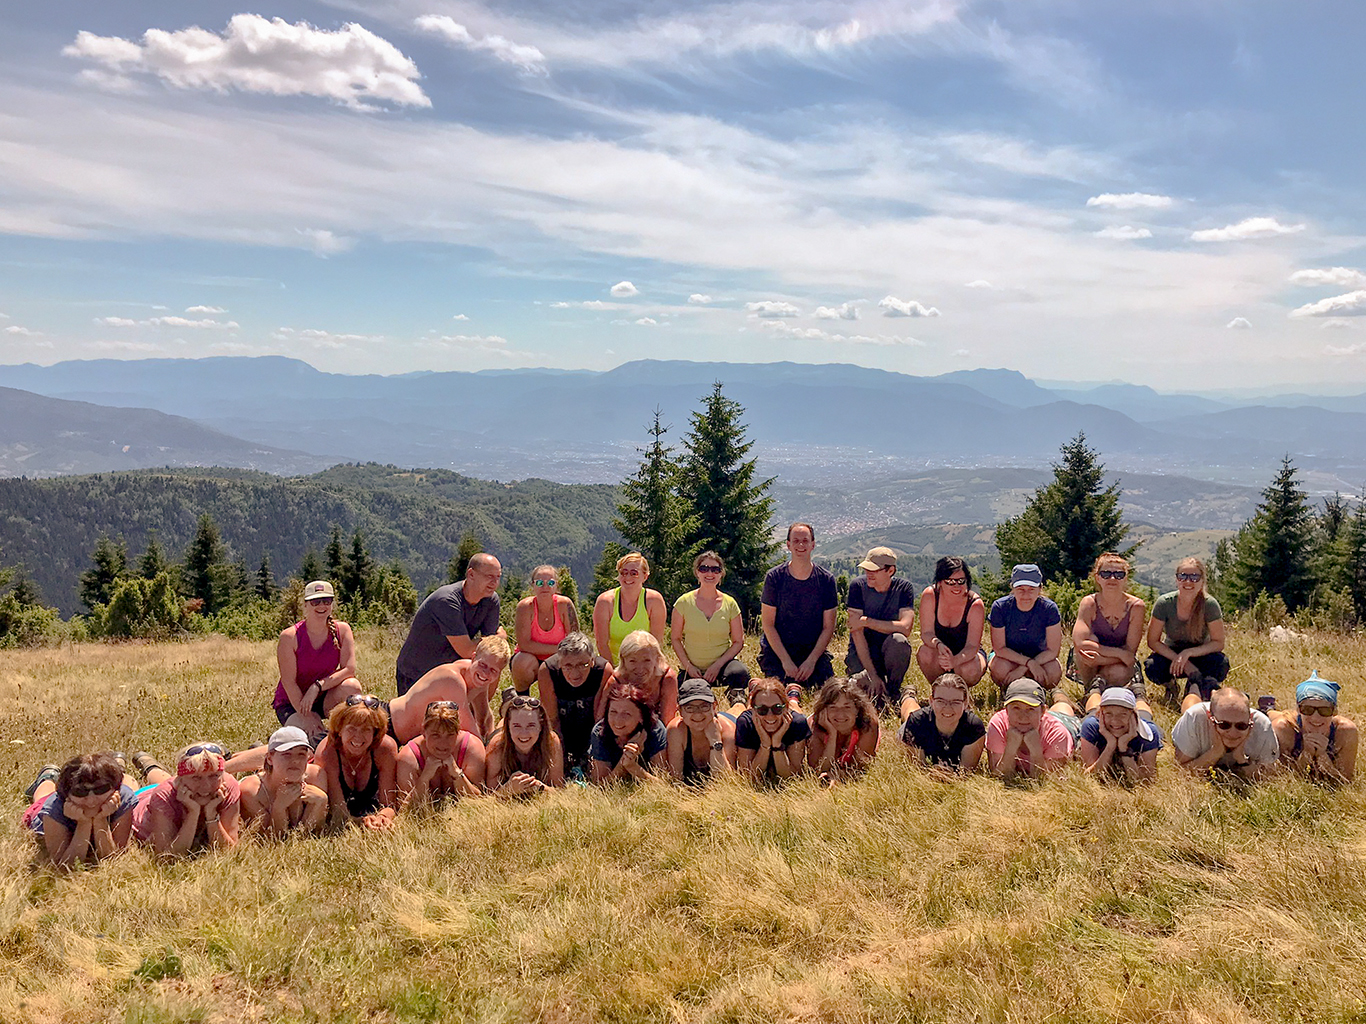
point(897, 648)
point(1116, 675)
point(971, 673)
point(1000, 669)
point(523, 666)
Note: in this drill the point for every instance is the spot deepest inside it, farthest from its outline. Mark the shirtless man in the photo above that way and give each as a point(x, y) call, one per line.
point(470, 684)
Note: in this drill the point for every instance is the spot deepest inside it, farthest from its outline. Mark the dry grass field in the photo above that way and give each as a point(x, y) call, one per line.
point(895, 899)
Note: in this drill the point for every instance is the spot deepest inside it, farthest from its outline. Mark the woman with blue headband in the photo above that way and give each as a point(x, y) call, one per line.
point(1317, 741)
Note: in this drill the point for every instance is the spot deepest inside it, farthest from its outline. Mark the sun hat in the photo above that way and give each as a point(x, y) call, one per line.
point(1123, 697)
point(878, 558)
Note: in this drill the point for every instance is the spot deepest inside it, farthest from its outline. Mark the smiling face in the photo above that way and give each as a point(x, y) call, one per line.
point(88, 795)
point(799, 541)
point(200, 785)
point(623, 718)
point(1022, 717)
point(632, 573)
point(439, 739)
point(697, 714)
point(484, 672)
point(524, 728)
point(288, 765)
point(640, 666)
point(1117, 720)
point(575, 668)
point(948, 703)
point(356, 739)
point(318, 608)
point(841, 715)
point(1311, 720)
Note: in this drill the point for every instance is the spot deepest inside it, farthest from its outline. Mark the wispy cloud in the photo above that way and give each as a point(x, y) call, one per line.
point(527, 59)
point(1124, 233)
point(1350, 304)
point(1252, 227)
point(1130, 201)
point(206, 310)
point(1239, 323)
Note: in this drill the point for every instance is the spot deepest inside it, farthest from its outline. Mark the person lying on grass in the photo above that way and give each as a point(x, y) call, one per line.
point(1026, 632)
point(470, 684)
point(629, 743)
point(947, 736)
point(1224, 734)
point(770, 737)
point(643, 667)
point(701, 742)
point(317, 661)
point(524, 756)
point(1119, 739)
point(844, 731)
point(1317, 741)
point(80, 813)
point(279, 798)
point(444, 761)
point(194, 810)
point(1024, 738)
point(573, 684)
point(358, 763)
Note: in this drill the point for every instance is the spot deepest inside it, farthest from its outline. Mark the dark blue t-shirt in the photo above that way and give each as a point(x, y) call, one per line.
point(747, 733)
point(1090, 732)
point(604, 747)
point(800, 607)
point(444, 613)
point(921, 731)
point(54, 807)
point(881, 606)
point(1026, 632)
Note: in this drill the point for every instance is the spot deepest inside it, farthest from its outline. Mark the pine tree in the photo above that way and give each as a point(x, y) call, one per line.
point(335, 559)
point(357, 572)
point(110, 564)
point(1069, 522)
point(311, 568)
point(153, 561)
point(24, 591)
point(1354, 560)
point(732, 512)
point(460, 561)
point(655, 520)
point(1272, 552)
point(205, 562)
point(265, 579)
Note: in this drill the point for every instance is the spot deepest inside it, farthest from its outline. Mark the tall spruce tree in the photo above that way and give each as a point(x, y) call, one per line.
point(655, 520)
point(731, 511)
point(265, 579)
point(334, 559)
point(1354, 558)
point(153, 561)
point(311, 568)
point(460, 561)
point(1273, 553)
point(357, 572)
point(109, 564)
point(207, 575)
point(1069, 522)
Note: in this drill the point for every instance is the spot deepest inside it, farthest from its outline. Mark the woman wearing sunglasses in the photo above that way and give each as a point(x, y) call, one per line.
point(542, 621)
point(626, 608)
point(1186, 637)
point(317, 659)
point(770, 737)
point(444, 761)
point(1317, 741)
point(1107, 632)
point(524, 756)
point(630, 743)
point(359, 762)
point(707, 629)
point(1224, 734)
point(952, 618)
point(82, 811)
point(196, 809)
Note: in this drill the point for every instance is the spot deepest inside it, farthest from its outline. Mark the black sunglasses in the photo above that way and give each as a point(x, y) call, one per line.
point(211, 748)
point(369, 700)
point(769, 709)
point(98, 789)
point(708, 568)
point(1189, 577)
point(1113, 574)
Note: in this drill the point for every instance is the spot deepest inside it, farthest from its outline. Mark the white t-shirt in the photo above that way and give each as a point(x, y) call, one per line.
point(1193, 734)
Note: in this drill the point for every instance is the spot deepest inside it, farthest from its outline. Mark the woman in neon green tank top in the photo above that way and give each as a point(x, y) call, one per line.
point(628, 607)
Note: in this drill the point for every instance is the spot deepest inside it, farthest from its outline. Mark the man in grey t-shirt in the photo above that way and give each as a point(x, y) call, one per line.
point(1224, 732)
point(881, 608)
point(450, 622)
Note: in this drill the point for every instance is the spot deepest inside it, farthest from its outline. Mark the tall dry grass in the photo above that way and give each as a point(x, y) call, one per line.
point(895, 899)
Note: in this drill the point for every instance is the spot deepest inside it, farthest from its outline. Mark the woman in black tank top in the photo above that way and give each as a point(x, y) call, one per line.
point(955, 646)
point(573, 685)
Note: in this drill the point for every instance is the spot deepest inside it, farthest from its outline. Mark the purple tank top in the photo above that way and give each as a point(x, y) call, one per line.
point(1111, 636)
point(310, 663)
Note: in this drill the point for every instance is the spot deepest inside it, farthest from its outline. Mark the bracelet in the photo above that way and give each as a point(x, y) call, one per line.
point(210, 821)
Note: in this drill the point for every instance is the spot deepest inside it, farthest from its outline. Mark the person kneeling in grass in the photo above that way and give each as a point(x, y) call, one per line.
point(844, 731)
point(770, 737)
point(1225, 734)
point(469, 684)
point(1025, 739)
point(80, 813)
point(947, 735)
point(195, 809)
point(629, 742)
point(279, 798)
point(525, 755)
point(359, 763)
point(1118, 739)
point(701, 742)
point(1026, 632)
point(1317, 741)
point(444, 761)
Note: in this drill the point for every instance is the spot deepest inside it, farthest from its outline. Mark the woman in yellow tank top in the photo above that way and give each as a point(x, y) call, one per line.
point(628, 607)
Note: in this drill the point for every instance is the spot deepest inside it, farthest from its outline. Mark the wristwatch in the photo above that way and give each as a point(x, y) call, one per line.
point(718, 745)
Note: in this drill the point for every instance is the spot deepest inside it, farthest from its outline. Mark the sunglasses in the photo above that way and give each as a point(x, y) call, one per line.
point(1237, 726)
point(628, 572)
point(1327, 712)
point(1113, 574)
point(98, 789)
point(769, 709)
point(320, 600)
point(211, 748)
point(442, 705)
point(523, 701)
point(1189, 577)
point(545, 583)
point(370, 701)
point(709, 568)
point(957, 581)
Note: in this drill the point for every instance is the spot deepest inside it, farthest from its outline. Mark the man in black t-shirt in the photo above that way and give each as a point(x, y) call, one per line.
point(881, 608)
point(451, 622)
point(798, 614)
point(946, 734)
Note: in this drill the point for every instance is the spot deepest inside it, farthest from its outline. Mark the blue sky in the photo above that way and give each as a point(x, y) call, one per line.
point(1167, 193)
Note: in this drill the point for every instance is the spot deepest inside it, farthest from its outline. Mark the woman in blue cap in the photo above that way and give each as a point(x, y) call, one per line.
point(1316, 740)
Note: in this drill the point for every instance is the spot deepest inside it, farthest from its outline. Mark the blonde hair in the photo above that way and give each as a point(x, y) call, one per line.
point(441, 720)
point(495, 645)
point(1195, 625)
point(634, 556)
point(636, 641)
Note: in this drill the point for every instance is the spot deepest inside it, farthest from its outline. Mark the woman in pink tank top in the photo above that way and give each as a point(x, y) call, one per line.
point(444, 761)
point(317, 659)
point(543, 620)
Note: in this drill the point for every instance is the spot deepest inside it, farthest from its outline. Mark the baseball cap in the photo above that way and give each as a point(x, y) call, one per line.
point(1025, 691)
point(318, 588)
point(878, 558)
point(695, 689)
point(1123, 697)
point(1026, 573)
point(287, 737)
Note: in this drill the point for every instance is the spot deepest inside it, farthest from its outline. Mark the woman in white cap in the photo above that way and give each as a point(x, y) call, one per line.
point(1117, 740)
point(279, 798)
point(701, 742)
point(317, 658)
point(1316, 741)
point(1026, 632)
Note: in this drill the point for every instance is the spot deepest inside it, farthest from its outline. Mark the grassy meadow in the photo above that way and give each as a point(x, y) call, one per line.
point(897, 898)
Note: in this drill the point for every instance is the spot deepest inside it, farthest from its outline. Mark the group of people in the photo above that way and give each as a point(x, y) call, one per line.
point(611, 708)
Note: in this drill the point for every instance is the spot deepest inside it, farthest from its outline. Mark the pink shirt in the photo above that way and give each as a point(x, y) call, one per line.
point(1057, 741)
point(163, 800)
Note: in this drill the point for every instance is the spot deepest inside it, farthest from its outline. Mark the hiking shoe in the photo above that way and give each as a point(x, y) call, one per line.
point(736, 695)
point(144, 763)
point(47, 773)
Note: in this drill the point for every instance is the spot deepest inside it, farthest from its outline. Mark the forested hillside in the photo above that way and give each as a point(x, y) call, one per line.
point(418, 517)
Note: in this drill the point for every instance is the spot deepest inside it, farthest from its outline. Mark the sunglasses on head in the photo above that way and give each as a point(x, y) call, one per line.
point(442, 705)
point(1189, 577)
point(769, 709)
point(523, 701)
point(545, 583)
point(1237, 726)
point(94, 789)
point(211, 748)
point(369, 700)
point(709, 568)
point(1327, 712)
point(1113, 574)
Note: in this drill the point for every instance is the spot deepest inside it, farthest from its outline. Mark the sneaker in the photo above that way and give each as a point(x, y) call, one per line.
point(47, 773)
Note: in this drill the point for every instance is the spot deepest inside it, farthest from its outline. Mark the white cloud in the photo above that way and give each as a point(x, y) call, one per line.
point(22, 332)
point(126, 346)
point(782, 329)
point(624, 290)
point(323, 339)
point(647, 321)
point(768, 309)
point(1124, 232)
point(115, 321)
point(4, 316)
point(1239, 323)
point(254, 54)
point(460, 316)
point(325, 243)
point(597, 304)
point(205, 324)
point(1351, 304)
point(1252, 227)
point(844, 311)
point(1337, 277)
point(209, 310)
point(892, 306)
point(962, 353)
point(979, 283)
point(1337, 325)
point(1345, 350)
point(527, 59)
point(1130, 201)
point(698, 299)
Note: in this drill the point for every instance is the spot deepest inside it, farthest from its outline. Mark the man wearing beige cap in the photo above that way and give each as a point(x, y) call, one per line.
point(881, 608)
